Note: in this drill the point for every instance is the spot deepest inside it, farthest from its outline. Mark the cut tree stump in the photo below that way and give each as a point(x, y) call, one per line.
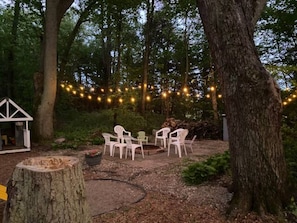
point(47, 189)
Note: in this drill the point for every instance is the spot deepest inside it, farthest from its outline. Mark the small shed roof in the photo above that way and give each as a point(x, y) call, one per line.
point(11, 112)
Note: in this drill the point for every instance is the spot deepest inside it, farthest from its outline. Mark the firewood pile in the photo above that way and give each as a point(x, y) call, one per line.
point(203, 129)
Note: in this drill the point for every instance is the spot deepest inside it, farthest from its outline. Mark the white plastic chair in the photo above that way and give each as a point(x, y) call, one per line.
point(189, 142)
point(110, 141)
point(142, 137)
point(121, 147)
point(121, 132)
point(162, 135)
point(174, 135)
point(131, 146)
point(179, 143)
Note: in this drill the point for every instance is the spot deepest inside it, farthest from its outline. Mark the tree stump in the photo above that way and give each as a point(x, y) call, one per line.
point(47, 189)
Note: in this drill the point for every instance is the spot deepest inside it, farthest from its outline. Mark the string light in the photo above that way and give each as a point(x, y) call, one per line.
point(164, 94)
point(290, 98)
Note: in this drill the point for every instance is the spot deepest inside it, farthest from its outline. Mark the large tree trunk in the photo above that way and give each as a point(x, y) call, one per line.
point(252, 103)
point(146, 55)
point(44, 120)
point(47, 189)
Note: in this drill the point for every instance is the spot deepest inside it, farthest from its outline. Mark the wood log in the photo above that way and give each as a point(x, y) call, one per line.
point(47, 189)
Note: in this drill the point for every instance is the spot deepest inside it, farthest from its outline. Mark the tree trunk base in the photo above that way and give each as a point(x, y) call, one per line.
point(47, 189)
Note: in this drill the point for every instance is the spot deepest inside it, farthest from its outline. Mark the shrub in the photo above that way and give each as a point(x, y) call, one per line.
point(200, 172)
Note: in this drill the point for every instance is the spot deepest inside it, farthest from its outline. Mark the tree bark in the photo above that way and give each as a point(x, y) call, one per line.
point(47, 189)
point(44, 120)
point(146, 55)
point(252, 103)
point(11, 53)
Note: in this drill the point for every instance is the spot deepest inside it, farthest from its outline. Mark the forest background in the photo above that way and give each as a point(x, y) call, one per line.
point(102, 63)
point(151, 58)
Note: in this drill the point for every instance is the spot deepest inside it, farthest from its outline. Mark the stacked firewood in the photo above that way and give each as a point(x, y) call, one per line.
point(203, 129)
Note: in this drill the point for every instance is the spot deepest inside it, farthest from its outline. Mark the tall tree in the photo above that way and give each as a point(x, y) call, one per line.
point(44, 118)
point(82, 18)
point(11, 53)
point(253, 106)
point(150, 8)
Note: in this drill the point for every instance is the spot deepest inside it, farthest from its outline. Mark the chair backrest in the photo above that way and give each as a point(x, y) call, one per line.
point(120, 131)
point(128, 140)
point(183, 135)
point(163, 132)
point(193, 139)
point(131, 141)
point(106, 137)
point(141, 135)
point(176, 133)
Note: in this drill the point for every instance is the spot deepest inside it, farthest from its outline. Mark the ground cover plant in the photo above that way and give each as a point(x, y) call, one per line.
point(199, 172)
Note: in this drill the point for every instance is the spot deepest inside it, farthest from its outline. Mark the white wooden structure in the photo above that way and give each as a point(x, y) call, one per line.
point(11, 112)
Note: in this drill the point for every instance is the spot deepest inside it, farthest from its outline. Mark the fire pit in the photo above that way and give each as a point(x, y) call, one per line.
point(150, 149)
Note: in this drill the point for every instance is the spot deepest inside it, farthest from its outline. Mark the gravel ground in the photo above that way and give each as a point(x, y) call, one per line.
point(147, 190)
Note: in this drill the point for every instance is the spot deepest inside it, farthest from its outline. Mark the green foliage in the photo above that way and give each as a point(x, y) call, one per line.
point(81, 128)
point(290, 149)
point(200, 172)
point(292, 207)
